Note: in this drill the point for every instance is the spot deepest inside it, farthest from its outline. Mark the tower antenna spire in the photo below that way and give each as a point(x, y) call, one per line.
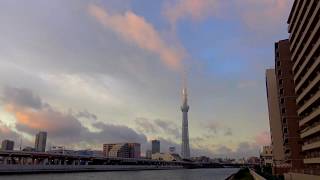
point(20, 142)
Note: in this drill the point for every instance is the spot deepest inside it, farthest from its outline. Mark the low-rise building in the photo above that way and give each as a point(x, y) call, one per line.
point(201, 159)
point(166, 157)
point(266, 156)
point(90, 153)
point(172, 149)
point(122, 150)
point(253, 160)
point(28, 149)
point(149, 154)
point(63, 152)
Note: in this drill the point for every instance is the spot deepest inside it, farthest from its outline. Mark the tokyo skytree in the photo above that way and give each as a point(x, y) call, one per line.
point(185, 149)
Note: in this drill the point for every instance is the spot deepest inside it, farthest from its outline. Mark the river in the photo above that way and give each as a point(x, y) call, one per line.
point(181, 174)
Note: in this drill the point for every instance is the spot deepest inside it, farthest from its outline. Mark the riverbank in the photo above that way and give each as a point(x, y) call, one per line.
point(242, 174)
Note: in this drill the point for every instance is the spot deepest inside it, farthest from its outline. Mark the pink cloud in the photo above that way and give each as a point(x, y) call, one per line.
point(31, 120)
point(194, 9)
point(258, 15)
point(263, 15)
point(263, 138)
point(137, 30)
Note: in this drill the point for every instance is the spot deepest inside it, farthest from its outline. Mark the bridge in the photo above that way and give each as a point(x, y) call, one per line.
point(46, 158)
point(22, 161)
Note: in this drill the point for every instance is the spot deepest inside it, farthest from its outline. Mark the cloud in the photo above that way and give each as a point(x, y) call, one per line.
point(63, 128)
point(263, 15)
point(157, 126)
point(195, 9)
point(213, 127)
point(228, 132)
point(66, 129)
point(168, 127)
point(115, 133)
point(136, 29)
point(56, 123)
point(86, 114)
point(244, 149)
point(146, 126)
point(32, 114)
point(217, 128)
point(258, 15)
point(7, 133)
point(263, 138)
point(21, 97)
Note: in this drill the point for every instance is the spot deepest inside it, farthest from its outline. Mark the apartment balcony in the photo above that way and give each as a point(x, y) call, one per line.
point(309, 102)
point(310, 131)
point(308, 88)
point(312, 160)
point(304, 29)
point(298, 21)
point(301, 54)
point(305, 174)
point(307, 74)
point(311, 116)
point(311, 146)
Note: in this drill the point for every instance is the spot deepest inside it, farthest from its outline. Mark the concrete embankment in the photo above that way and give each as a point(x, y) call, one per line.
point(23, 169)
point(256, 176)
point(245, 174)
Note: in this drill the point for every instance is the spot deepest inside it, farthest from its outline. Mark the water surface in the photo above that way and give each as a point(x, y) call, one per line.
point(181, 174)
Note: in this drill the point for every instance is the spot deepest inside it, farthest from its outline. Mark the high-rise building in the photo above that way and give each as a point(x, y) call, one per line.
point(304, 29)
point(41, 141)
point(7, 145)
point(274, 118)
point(185, 149)
point(122, 150)
point(134, 150)
point(287, 104)
point(155, 146)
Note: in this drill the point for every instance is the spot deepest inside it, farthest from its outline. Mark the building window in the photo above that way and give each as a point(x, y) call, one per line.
point(283, 110)
point(280, 81)
point(281, 91)
point(287, 151)
point(282, 100)
point(279, 72)
point(284, 120)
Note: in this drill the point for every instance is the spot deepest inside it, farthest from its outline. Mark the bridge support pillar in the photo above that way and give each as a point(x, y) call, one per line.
point(45, 161)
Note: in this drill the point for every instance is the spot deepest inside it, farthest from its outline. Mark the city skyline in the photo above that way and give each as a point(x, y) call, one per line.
point(110, 71)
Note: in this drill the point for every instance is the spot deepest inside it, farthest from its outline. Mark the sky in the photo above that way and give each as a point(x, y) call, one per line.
point(105, 71)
